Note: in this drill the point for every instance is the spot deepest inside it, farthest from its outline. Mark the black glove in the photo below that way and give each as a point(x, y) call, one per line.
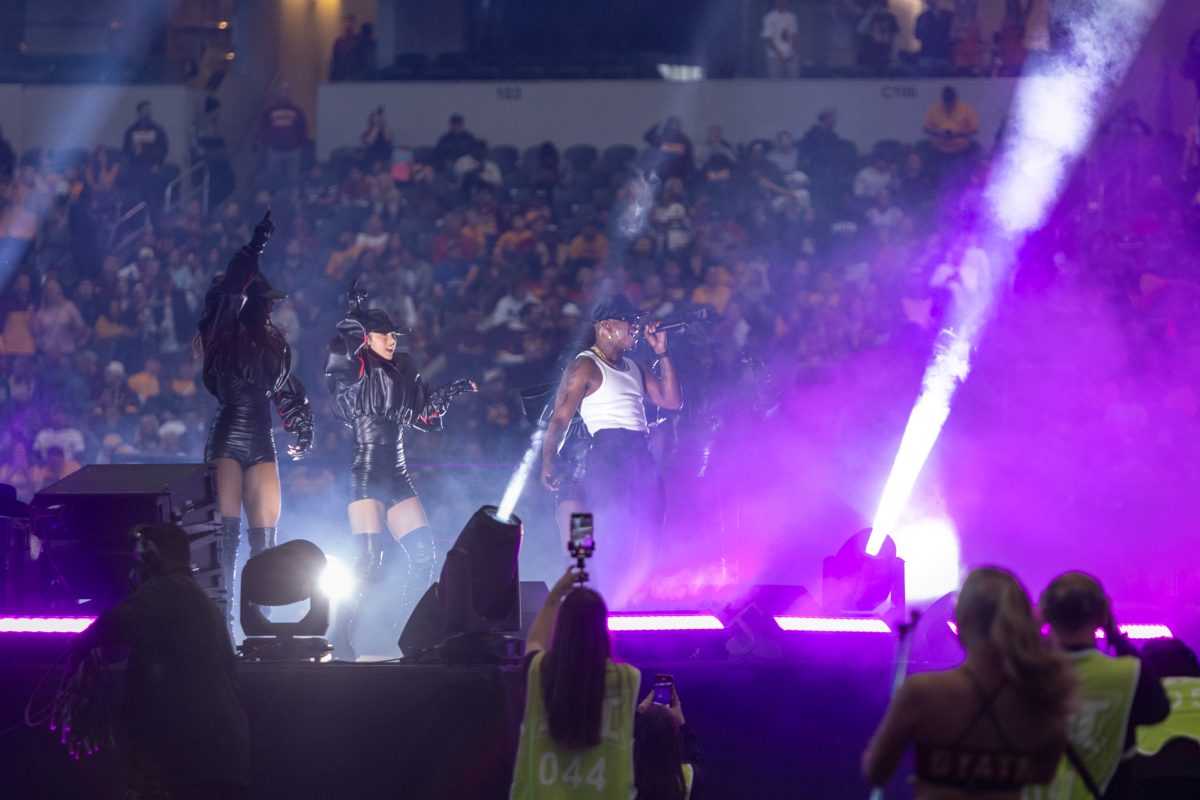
point(439, 398)
point(262, 235)
point(303, 445)
point(355, 299)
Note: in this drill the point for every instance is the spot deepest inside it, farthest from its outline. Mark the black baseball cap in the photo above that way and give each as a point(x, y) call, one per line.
point(377, 321)
point(615, 306)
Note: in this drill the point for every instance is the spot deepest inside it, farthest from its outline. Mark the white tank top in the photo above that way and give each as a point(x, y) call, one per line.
point(618, 402)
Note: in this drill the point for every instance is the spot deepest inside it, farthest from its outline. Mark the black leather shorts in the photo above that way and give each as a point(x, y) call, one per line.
point(378, 472)
point(242, 432)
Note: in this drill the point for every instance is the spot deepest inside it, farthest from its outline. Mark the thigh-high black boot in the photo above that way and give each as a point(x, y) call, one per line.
point(420, 557)
point(231, 538)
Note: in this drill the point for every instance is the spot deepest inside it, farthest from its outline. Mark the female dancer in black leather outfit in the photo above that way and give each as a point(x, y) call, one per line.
point(378, 393)
point(246, 367)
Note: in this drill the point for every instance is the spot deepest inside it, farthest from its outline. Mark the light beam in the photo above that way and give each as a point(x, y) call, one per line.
point(1053, 117)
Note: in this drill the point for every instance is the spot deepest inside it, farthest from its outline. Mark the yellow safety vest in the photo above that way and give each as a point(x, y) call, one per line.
point(545, 770)
point(1183, 723)
point(1097, 726)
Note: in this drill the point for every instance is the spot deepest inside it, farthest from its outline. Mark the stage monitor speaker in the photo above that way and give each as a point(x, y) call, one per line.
point(82, 525)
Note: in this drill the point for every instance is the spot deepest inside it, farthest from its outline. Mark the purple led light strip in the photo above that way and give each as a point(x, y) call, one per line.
point(833, 624)
point(664, 622)
point(44, 624)
point(1135, 631)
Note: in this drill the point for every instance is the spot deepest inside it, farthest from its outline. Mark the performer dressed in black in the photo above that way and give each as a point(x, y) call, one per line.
point(247, 367)
point(378, 392)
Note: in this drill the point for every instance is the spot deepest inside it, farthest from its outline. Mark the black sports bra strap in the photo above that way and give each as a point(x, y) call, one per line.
point(988, 700)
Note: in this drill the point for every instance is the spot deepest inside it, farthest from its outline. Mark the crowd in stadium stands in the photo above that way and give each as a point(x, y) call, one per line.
point(805, 249)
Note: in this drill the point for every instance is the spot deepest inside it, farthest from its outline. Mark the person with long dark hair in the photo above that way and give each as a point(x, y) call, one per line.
point(579, 705)
point(992, 726)
point(664, 751)
point(378, 393)
point(247, 366)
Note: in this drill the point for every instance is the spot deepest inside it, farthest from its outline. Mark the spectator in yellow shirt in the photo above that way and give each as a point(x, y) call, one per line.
point(145, 383)
point(589, 245)
point(517, 240)
point(951, 124)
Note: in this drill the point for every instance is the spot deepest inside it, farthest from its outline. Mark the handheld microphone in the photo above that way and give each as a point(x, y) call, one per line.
point(674, 326)
point(691, 318)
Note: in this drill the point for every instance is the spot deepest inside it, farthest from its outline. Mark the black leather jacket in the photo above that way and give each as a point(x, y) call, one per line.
point(365, 386)
point(247, 364)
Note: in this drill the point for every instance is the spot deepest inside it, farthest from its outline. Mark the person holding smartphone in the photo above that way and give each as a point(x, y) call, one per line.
point(665, 753)
point(577, 734)
point(621, 482)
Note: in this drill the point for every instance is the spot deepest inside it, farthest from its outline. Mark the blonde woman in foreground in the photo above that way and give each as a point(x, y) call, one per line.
point(991, 726)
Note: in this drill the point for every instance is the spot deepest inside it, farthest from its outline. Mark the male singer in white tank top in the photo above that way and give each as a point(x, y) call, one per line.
point(621, 485)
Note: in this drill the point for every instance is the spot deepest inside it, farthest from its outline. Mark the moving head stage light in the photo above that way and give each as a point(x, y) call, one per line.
point(473, 612)
point(289, 573)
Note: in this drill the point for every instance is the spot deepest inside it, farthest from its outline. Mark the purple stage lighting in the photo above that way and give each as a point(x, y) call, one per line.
point(1135, 631)
point(1142, 632)
point(833, 624)
point(45, 624)
point(664, 622)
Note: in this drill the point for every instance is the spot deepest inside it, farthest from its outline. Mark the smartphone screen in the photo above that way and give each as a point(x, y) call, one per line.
point(662, 689)
point(582, 540)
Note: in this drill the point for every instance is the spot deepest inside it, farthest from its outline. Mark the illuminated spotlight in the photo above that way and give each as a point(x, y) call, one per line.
point(516, 484)
point(949, 367)
point(833, 624)
point(473, 611)
point(664, 622)
point(854, 581)
point(932, 566)
point(223, 24)
point(337, 581)
point(280, 576)
point(45, 624)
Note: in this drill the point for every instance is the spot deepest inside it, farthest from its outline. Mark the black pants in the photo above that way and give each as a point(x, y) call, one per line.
point(624, 491)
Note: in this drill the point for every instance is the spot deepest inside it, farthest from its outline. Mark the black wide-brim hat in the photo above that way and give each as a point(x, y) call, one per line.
point(261, 288)
point(377, 321)
point(615, 306)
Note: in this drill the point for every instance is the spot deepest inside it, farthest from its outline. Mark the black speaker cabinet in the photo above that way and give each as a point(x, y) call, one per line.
point(81, 527)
